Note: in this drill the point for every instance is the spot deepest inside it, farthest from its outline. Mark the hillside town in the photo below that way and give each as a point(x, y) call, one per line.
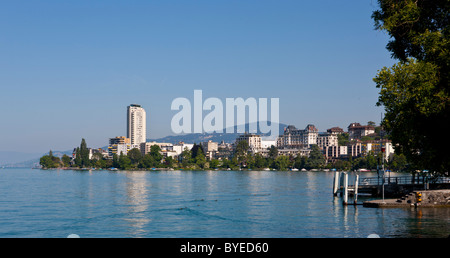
point(359, 147)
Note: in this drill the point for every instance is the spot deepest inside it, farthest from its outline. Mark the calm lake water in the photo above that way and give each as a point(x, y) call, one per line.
point(166, 204)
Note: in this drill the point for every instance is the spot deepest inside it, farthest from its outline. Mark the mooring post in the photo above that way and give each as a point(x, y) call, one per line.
point(345, 188)
point(356, 188)
point(337, 177)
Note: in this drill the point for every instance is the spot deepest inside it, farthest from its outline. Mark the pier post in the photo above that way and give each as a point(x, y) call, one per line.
point(345, 188)
point(356, 188)
point(337, 179)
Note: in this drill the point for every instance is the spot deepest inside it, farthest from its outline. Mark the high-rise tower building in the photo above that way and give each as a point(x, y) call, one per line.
point(136, 124)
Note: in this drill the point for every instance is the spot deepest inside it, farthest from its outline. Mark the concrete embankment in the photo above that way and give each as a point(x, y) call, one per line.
point(429, 198)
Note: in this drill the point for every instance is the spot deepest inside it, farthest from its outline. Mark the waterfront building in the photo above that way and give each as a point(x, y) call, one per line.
point(120, 149)
point(265, 144)
point(358, 148)
point(117, 145)
point(224, 151)
point(327, 139)
point(169, 153)
point(357, 131)
point(91, 152)
point(119, 140)
point(335, 130)
point(291, 138)
point(310, 135)
point(181, 146)
point(377, 146)
point(303, 152)
point(167, 149)
point(294, 138)
point(146, 146)
point(253, 140)
point(335, 151)
point(136, 124)
point(101, 151)
point(210, 148)
point(355, 149)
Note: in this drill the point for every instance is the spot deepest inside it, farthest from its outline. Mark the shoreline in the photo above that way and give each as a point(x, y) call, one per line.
point(200, 169)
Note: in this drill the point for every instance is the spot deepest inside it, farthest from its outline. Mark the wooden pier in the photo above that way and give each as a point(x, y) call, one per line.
point(393, 187)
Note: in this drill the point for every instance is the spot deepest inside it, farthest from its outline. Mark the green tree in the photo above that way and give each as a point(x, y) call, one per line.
point(273, 152)
point(46, 161)
point(225, 163)
point(398, 162)
point(200, 159)
point(148, 161)
point(260, 161)
point(281, 163)
point(197, 149)
point(300, 162)
point(115, 161)
point(155, 152)
point(415, 91)
point(169, 161)
point(135, 156)
point(214, 163)
point(99, 163)
point(241, 152)
point(342, 164)
point(371, 161)
point(56, 160)
point(316, 158)
point(65, 160)
point(77, 157)
point(241, 149)
point(84, 154)
point(186, 156)
point(124, 162)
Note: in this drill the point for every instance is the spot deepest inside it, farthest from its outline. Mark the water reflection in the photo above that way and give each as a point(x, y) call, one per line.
point(136, 192)
point(197, 204)
point(428, 222)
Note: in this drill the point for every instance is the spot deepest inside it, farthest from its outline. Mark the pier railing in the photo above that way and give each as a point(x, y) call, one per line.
point(403, 180)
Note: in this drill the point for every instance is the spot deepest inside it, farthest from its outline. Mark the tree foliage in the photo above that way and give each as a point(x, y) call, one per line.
point(84, 154)
point(316, 158)
point(50, 161)
point(415, 91)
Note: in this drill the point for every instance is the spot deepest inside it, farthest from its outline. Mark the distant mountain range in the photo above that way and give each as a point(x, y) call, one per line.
point(20, 159)
point(215, 137)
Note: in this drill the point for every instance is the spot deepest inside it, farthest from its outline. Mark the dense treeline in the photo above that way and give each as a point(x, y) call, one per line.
point(195, 159)
point(415, 91)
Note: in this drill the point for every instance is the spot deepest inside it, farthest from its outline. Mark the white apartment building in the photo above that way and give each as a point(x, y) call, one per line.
point(136, 124)
point(146, 146)
point(120, 144)
point(265, 144)
point(327, 139)
point(121, 148)
point(180, 147)
point(210, 148)
point(359, 148)
point(335, 151)
point(167, 149)
point(253, 140)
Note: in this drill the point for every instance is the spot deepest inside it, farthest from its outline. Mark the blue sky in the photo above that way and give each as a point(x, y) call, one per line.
point(68, 69)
